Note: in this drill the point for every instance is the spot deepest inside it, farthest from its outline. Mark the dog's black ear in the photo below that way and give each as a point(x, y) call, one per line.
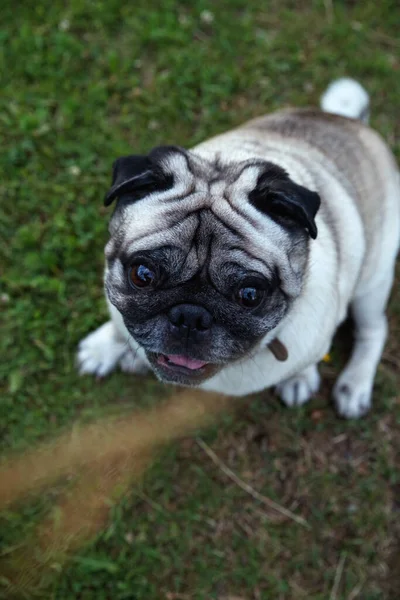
point(286, 202)
point(140, 175)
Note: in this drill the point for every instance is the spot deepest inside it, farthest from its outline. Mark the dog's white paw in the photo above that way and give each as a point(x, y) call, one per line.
point(352, 399)
point(298, 389)
point(99, 352)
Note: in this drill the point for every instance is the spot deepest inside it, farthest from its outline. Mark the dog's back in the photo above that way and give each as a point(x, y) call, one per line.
point(356, 155)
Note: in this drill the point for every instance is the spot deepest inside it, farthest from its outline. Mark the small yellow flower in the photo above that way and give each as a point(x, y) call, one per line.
point(327, 358)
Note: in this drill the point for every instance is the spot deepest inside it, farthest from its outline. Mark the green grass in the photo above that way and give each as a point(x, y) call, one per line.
point(84, 82)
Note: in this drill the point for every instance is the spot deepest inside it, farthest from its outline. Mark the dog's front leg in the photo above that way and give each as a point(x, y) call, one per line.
point(353, 390)
point(297, 390)
point(110, 346)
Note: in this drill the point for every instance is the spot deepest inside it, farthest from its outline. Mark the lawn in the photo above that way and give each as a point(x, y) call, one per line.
point(84, 82)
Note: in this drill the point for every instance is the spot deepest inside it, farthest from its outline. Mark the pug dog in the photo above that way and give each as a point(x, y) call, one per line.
point(231, 265)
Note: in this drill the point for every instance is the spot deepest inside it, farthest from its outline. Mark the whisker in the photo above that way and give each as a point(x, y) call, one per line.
point(133, 350)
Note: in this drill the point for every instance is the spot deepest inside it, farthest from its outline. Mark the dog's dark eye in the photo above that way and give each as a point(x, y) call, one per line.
point(141, 276)
point(249, 297)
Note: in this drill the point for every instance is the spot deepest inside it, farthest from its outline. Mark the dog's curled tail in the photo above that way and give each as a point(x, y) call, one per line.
point(346, 97)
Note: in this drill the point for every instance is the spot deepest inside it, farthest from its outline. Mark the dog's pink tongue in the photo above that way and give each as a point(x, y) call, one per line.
point(184, 361)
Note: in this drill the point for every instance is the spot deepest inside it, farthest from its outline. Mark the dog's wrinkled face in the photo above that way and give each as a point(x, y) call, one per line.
point(204, 258)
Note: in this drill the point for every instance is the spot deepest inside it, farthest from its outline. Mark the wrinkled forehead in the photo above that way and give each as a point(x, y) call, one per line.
point(207, 215)
point(206, 195)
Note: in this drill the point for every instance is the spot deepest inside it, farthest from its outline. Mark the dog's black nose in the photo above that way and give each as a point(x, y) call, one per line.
point(189, 319)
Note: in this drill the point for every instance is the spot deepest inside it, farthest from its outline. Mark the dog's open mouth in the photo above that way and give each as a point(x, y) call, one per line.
point(179, 368)
point(178, 360)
